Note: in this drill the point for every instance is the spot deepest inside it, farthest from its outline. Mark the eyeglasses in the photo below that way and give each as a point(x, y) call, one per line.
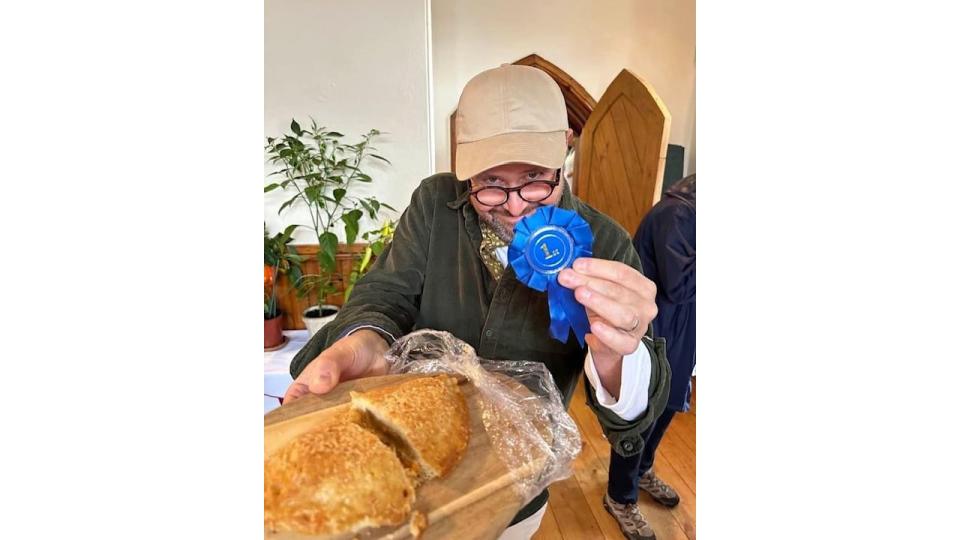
point(534, 191)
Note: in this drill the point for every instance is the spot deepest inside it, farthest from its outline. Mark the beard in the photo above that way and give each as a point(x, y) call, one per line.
point(504, 231)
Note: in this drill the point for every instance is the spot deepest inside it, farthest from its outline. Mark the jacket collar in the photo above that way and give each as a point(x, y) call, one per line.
point(463, 194)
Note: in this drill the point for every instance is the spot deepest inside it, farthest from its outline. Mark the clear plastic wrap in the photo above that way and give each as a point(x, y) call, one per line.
point(523, 413)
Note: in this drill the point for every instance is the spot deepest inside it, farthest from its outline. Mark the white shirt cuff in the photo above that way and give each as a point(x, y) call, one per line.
point(634, 384)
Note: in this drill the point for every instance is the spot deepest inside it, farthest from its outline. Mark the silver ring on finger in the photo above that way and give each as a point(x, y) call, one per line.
point(633, 328)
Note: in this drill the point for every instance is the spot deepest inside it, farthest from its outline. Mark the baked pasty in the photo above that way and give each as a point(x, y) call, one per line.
point(426, 419)
point(339, 478)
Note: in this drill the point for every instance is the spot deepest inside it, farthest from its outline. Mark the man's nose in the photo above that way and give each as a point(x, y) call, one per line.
point(515, 205)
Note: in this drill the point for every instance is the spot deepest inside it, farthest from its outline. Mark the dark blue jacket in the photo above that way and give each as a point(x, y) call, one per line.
point(667, 243)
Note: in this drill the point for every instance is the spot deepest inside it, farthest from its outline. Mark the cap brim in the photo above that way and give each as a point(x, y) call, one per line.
point(543, 149)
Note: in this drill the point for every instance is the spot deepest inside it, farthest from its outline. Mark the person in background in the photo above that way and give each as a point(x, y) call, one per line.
point(666, 241)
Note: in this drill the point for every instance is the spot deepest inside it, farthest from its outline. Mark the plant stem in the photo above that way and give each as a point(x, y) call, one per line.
point(273, 291)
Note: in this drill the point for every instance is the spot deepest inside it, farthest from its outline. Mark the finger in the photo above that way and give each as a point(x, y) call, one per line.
point(616, 272)
point(573, 279)
point(615, 311)
point(621, 342)
point(322, 374)
point(294, 391)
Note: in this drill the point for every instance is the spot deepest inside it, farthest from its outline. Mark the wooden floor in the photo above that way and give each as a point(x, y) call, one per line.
point(575, 510)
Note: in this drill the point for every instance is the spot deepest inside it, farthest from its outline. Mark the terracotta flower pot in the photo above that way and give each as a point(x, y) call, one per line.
point(273, 331)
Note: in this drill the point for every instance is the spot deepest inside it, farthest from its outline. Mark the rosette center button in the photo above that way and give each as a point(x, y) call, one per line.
point(550, 249)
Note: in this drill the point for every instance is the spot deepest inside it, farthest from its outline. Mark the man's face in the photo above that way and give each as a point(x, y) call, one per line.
point(504, 217)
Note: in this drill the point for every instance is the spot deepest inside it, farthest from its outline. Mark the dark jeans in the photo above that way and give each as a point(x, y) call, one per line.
point(625, 472)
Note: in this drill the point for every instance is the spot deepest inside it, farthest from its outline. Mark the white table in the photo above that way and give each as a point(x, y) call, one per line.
point(276, 368)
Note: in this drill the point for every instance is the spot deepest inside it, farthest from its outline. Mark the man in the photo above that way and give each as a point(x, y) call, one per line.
point(446, 269)
point(667, 243)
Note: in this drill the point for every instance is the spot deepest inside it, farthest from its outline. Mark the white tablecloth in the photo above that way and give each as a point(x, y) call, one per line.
point(276, 369)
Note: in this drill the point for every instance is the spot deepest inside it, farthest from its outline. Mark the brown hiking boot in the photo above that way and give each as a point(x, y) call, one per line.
point(632, 523)
point(661, 492)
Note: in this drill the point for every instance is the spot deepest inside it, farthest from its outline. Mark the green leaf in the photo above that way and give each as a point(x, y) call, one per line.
point(286, 204)
point(288, 232)
point(327, 255)
point(294, 257)
point(375, 204)
point(339, 193)
point(313, 193)
point(385, 205)
point(363, 178)
point(295, 273)
point(334, 134)
point(271, 187)
point(377, 247)
point(381, 158)
point(370, 211)
point(295, 127)
point(351, 224)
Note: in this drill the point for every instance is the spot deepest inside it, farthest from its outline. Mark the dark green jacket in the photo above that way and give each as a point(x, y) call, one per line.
point(431, 276)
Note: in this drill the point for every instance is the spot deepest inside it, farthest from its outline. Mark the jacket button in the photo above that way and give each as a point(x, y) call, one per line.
point(488, 333)
point(627, 445)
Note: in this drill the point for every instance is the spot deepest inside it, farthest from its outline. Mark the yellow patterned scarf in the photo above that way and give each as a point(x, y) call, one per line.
point(488, 245)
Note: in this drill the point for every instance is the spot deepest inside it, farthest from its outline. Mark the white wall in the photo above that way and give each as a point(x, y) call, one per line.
point(592, 41)
point(353, 65)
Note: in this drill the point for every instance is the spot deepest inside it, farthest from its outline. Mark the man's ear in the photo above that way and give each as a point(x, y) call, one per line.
point(569, 137)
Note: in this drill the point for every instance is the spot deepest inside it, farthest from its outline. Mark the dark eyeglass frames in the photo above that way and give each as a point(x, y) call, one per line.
point(533, 191)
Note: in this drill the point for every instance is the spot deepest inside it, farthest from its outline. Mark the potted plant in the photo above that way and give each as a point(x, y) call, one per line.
point(324, 172)
point(278, 258)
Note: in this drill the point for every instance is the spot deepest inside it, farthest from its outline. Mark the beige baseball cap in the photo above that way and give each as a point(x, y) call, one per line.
point(510, 114)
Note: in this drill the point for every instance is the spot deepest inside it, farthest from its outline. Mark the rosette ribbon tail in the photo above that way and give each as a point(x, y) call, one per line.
point(566, 314)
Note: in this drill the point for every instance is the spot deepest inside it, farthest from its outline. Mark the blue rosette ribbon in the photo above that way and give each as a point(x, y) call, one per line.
point(544, 243)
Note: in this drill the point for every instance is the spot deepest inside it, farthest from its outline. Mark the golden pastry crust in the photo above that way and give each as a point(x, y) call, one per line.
point(429, 414)
point(339, 478)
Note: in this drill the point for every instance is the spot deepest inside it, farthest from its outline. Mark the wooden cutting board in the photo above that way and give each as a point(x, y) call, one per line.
point(476, 500)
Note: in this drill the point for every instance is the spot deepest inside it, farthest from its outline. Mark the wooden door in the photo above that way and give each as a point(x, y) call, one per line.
point(623, 150)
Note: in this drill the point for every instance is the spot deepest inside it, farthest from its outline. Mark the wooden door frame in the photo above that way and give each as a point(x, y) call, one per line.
point(579, 102)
